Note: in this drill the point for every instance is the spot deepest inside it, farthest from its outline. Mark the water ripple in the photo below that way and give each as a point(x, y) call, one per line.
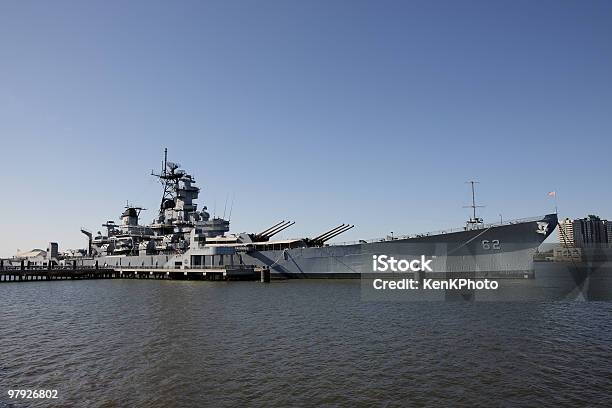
point(113, 343)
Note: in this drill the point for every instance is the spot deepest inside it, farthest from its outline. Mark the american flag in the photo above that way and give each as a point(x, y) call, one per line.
point(552, 193)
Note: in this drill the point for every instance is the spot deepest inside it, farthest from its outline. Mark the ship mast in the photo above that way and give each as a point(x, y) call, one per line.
point(474, 219)
point(163, 174)
point(169, 178)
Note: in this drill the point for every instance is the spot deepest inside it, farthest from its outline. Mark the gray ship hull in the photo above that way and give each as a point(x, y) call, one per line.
point(501, 251)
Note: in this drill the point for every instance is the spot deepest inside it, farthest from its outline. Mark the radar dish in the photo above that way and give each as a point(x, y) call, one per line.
point(172, 166)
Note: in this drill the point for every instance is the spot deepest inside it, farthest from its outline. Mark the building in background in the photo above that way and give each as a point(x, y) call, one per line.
point(34, 253)
point(566, 232)
point(565, 254)
point(589, 232)
point(583, 239)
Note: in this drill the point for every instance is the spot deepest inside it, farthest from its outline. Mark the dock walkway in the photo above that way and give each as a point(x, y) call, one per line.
point(26, 273)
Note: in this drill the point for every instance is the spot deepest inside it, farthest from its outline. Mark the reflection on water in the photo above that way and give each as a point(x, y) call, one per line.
point(118, 343)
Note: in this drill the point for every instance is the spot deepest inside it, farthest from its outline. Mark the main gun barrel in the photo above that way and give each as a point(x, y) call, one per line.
point(335, 234)
point(262, 233)
point(321, 236)
point(279, 229)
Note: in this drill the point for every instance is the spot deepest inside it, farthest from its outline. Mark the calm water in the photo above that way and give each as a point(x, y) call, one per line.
point(130, 343)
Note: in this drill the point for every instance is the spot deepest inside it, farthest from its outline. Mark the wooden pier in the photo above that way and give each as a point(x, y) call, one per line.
point(27, 273)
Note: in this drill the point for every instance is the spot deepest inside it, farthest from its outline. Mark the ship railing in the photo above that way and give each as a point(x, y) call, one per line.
point(440, 232)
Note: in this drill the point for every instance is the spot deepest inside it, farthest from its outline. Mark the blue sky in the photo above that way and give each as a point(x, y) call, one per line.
point(364, 112)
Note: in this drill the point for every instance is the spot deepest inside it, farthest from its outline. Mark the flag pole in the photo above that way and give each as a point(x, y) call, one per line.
point(554, 194)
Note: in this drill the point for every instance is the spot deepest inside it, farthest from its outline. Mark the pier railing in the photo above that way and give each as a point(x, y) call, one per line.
point(33, 268)
point(23, 273)
point(46, 268)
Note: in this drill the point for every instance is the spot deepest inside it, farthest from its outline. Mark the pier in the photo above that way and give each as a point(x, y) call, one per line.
point(28, 273)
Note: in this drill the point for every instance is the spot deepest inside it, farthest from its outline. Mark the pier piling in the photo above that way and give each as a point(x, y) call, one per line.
point(265, 275)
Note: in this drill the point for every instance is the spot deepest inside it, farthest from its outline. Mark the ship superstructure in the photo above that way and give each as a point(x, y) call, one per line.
point(169, 233)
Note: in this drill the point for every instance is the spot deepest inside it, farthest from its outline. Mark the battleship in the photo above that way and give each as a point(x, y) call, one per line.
point(184, 237)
